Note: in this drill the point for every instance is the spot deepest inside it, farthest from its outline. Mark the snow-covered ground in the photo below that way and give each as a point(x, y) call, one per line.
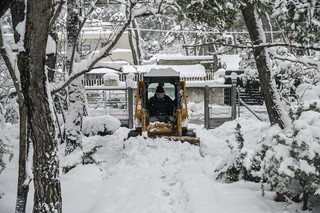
point(154, 175)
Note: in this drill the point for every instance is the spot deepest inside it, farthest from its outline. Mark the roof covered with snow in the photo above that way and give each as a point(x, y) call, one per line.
point(184, 70)
point(102, 71)
point(162, 72)
point(230, 62)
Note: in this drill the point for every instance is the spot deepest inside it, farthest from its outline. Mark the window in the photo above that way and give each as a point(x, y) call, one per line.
point(168, 88)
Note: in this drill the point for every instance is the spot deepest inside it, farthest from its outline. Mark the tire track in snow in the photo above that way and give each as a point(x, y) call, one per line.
point(185, 186)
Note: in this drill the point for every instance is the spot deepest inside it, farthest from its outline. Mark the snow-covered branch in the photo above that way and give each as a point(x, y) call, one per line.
point(302, 60)
point(298, 46)
point(10, 62)
point(85, 66)
point(107, 65)
point(93, 6)
point(56, 14)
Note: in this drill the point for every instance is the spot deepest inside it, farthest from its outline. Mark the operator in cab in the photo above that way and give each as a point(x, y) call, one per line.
point(160, 107)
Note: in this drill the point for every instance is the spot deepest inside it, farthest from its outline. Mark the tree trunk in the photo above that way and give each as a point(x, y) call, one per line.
point(75, 116)
point(261, 56)
point(4, 6)
point(133, 47)
point(137, 36)
point(34, 83)
point(18, 15)
point(215, 59)
point(51, 59)
point(23, 182)
point(76, 91)
point(73, 25)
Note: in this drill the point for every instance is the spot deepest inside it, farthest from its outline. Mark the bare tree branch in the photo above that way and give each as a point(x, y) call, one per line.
point(56, 15)
point(6, 55)
point(90, 64)
point(78, 34)
point(306, 62)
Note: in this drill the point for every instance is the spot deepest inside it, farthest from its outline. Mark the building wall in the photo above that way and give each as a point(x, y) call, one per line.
point(93, 41)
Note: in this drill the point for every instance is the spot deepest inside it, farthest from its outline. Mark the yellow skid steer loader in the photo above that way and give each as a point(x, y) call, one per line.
point(172, 125)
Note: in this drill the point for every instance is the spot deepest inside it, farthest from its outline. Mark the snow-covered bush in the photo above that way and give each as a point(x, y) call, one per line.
point(4, 151)
point(79, 157)
point(12, 111)
point(241, 164)
point(100, 125)
point(292, 161)
point(2, 113)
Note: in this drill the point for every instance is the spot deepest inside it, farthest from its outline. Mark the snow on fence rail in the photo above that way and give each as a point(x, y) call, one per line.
point(139, 77)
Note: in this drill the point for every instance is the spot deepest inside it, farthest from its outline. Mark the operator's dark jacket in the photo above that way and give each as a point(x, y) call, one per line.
point(158, 106)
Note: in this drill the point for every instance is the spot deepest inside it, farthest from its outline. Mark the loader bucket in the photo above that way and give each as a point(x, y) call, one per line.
point(188, 139)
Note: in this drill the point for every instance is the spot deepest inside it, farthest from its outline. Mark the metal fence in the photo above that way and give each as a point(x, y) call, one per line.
point(219, 105)
point(139, 77)
point(117, 102)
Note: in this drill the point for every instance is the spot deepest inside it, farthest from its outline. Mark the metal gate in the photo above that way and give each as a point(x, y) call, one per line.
point(117, 102)
point(219, 105)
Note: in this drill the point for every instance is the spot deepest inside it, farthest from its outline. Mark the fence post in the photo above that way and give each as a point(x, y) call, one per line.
point(206, 107)
point(234, 101)
point(130, 108)
point(238, 92)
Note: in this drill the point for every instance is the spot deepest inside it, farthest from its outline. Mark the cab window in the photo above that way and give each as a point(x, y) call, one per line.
point(169, 90)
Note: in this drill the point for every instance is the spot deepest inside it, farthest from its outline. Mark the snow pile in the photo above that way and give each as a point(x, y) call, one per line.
point(288, 160)
point(111, 76)
point(152, 175)
point(184, 70)
point(196, 110)
point(100, 125)
point(130, 82)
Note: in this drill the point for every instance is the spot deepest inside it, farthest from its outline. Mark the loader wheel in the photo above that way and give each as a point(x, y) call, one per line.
point(189, 133)
point(133, 133)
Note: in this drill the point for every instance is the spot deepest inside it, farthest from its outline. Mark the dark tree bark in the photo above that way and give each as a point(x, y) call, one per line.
point(215, 59)
point(18, 15)
point(76, 91)
point(261, 57)
point(4, 6)
point(73, 25)
point(34, 83)
point(133, 47)
point(52, 59)
point(23, 178)
point(137, 36)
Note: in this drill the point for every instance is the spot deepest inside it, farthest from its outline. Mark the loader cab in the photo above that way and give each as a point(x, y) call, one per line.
point(167, 78)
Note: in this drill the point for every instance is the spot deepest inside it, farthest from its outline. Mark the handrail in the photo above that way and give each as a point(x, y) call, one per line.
point(246, 106)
